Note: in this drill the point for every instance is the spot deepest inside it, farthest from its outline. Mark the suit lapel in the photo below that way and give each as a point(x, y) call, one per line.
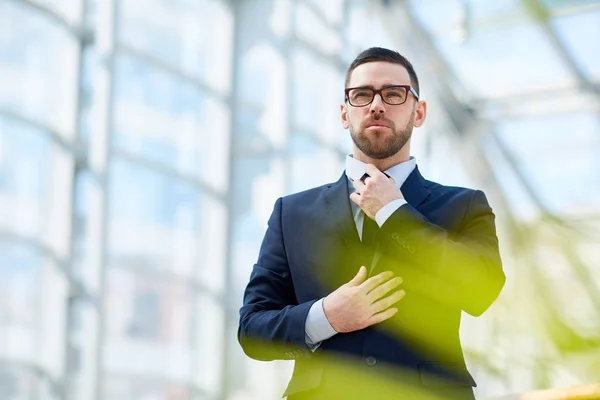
point(414, 189)
point(337, 199)
point(342, 253)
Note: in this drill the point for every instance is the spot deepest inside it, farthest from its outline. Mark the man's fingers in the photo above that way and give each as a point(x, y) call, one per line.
point(360, 276)
point(384, 289)
point(376, 280)
point(355, 197)
point(387, 302)
point(373, 171)
point(358, 184)
point(382, 316)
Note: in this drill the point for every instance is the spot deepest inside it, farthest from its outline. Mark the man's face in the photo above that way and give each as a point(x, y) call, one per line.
point(380, 130)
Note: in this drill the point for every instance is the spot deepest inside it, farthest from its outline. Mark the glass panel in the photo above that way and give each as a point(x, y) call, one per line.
point(437, 152)
point(263, 85)
point(520, 203)
point(568, 160)
point(262, 179)
point(280, 17)
point(443, 18)
point(210, 338)
point(238, 364)
point(52, 336)
point(24, 169)
point(57, 211)
point(17, 382)
point(363, 30)
point(68, 9)
point(314, 30)
point(492, 46)
point(169, 121)
point(577, 31)
point(357, 28)
point(154, 220)
point(38, 61)
point(149, 325)
point(83, 335)
point(312, 165)
point(213, 242)
point(35, 186)
point(249, 137)
point(503, 62)
point(20, 272)
point(196, 36)
point(489, 13)
point(331, 10)
point(318, 94)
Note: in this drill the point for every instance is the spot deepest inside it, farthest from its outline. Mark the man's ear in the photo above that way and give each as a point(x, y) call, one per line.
point(420, 113)
point(344, 115)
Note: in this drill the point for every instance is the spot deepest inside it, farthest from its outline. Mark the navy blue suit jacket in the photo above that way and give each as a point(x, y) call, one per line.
point(442, 243)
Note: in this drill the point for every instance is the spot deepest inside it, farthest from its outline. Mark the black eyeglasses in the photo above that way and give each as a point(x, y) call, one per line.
point(393, 95)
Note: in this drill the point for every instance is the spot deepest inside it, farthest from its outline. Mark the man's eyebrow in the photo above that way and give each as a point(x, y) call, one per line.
point(365, 87)
point(373, 87)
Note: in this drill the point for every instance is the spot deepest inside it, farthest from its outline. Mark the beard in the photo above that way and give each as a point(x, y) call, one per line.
point(380, 145)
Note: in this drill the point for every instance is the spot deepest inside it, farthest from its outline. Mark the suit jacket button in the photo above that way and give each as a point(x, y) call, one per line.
point(371, 361)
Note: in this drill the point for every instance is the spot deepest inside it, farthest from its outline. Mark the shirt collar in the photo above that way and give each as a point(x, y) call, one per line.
point(355, 169)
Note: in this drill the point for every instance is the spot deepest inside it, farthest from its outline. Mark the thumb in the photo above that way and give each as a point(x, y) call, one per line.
point(360, 277)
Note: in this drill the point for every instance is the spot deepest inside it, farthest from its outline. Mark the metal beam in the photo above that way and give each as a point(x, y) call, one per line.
point(537, 103)
point(542, 16)
point(49, 253)
point(79, 31)
point(169, 171)
point(55, 136)
point(225, 383)
point(99, 161)
point(171, 70)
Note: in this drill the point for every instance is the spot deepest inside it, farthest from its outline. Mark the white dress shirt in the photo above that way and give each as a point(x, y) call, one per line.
point(317, 328)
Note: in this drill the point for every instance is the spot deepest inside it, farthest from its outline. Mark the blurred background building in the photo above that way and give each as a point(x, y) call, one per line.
point(144, 142)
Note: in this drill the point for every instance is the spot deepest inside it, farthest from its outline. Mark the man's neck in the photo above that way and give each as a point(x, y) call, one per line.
point(386, 163)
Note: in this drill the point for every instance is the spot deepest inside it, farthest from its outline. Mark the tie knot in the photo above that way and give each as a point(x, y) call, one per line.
point(365, 176)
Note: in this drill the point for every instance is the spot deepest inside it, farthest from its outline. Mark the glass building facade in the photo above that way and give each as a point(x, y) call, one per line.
point(143, 144)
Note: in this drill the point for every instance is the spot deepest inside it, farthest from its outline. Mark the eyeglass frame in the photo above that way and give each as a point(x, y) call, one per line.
point(408, 88)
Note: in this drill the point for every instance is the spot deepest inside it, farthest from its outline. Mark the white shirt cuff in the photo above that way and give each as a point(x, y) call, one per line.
point(317, 328)
point(384, 212)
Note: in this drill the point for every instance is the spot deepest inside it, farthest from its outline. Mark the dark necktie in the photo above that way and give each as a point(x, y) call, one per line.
point(369, 230)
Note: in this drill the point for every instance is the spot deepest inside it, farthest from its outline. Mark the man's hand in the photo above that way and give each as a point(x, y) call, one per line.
point(359, 303)
point(377, 191)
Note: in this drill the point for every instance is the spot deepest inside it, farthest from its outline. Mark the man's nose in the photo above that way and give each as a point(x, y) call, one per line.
point(377, 105)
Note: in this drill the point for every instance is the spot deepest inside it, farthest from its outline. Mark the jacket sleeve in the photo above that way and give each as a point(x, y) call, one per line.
point(272, 323)
point(461, 269)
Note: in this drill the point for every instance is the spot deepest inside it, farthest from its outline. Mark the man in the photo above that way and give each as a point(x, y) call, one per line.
point(362, 282)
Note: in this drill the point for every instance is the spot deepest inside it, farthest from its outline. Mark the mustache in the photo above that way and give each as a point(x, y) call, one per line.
point(379, 117)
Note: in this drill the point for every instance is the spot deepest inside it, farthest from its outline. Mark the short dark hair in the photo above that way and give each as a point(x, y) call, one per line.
point(380, 54)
